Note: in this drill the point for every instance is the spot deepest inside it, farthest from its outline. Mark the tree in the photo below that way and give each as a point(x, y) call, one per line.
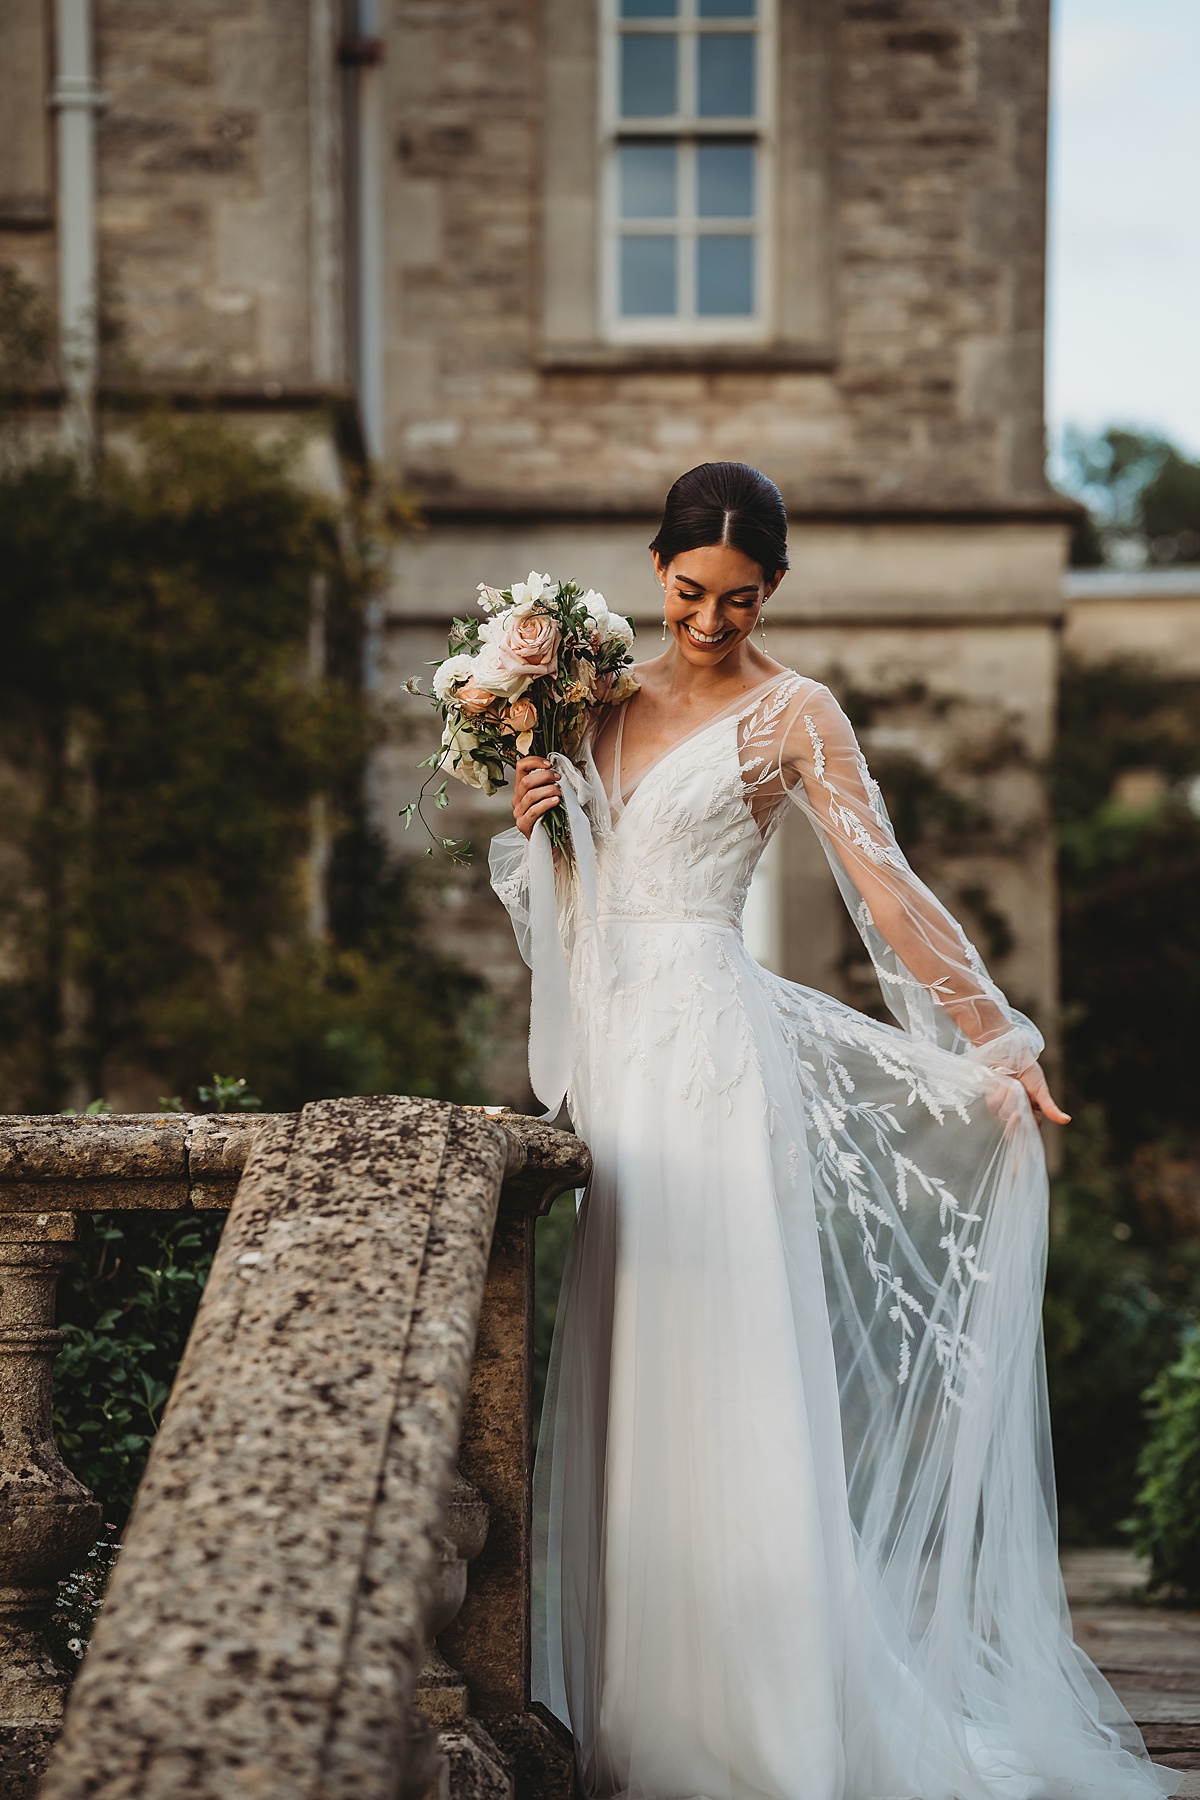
point(1142, 496)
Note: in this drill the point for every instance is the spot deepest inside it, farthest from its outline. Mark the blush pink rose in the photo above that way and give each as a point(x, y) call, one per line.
point(472, 699)
point(527, 646)
point(521, 716)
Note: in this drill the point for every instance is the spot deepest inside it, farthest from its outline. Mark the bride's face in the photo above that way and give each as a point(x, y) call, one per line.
point(711, 598)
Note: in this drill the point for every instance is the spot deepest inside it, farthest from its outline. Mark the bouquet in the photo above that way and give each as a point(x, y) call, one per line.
point(523, 681)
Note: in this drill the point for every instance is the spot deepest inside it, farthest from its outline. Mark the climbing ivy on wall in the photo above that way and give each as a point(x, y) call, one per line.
point(161, 746)
point(165, 753)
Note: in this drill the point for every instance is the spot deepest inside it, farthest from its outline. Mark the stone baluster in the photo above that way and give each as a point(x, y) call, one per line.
point(469, 1765)
point(48, 1519)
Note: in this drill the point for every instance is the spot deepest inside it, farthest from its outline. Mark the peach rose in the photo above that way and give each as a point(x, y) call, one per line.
point(472, 699)
point(520, 718)
point(521, 715)
point(528, 646)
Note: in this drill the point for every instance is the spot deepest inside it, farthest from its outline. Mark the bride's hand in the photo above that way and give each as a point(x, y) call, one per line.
point(1002, 1099)
point(1040, 1098)
point(536, 791)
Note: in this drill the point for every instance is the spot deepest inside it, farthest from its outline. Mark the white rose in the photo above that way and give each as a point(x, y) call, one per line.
point(596, 608)
point(618, 630)
point(448, 674)
point(460, 742)
point(500, 677)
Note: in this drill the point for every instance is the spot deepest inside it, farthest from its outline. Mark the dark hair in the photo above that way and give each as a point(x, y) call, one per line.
point(726, 503)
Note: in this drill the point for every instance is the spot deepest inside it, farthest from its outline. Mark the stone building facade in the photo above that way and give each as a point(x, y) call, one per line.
point(411, 222)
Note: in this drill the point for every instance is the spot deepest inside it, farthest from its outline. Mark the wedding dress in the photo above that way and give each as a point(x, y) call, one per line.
point(794, 1510)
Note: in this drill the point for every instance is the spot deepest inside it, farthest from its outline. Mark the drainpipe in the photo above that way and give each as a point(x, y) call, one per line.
point(361, 54)
point(76, 99)
point(361, 50)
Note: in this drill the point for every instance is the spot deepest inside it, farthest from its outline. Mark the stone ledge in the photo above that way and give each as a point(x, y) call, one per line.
point(166, 1161)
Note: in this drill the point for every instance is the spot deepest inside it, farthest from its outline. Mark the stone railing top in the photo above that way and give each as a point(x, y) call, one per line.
point(147, 1161)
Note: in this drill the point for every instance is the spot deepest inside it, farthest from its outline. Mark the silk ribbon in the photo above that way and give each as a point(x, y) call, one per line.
point(550, 1033)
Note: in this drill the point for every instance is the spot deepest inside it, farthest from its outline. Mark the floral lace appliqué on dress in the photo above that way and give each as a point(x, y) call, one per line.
point(794, 1531)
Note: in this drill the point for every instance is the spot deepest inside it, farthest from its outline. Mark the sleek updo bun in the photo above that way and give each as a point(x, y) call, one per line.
point(726, 503)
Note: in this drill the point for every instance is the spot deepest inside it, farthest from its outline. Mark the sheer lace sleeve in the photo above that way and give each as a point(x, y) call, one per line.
point(508, 862)
point(932, 977)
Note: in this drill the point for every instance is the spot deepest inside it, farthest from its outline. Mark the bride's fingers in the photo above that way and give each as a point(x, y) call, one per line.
point(1041, 1099)
point(536, 786)
point(536, 792)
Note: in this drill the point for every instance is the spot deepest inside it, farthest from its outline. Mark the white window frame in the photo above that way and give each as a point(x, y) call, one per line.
point(685, 128)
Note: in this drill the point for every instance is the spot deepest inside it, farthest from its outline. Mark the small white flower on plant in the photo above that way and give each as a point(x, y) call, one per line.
point(490, 598)
point(447, 675)
point(528, 593)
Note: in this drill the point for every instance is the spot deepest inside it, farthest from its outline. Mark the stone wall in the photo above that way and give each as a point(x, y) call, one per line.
point(214, 159)
point(203, 159)
point(935, 396)
point(1154, 614)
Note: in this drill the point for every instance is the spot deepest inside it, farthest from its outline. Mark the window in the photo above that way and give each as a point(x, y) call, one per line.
point(686, 170)
point(715, 217)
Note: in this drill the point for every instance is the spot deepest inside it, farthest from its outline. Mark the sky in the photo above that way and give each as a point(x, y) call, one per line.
point(1123, 328)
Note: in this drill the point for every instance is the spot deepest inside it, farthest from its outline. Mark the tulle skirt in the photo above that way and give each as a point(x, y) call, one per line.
point(794, 1518)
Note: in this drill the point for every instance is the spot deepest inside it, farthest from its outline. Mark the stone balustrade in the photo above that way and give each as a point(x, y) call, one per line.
point(302, 1533)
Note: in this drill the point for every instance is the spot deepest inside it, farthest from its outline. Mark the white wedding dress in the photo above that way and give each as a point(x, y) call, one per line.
point(794, 1504)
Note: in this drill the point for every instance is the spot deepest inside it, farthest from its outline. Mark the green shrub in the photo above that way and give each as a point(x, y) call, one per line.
point(126, 1307)
point(167, 748)
point(1113, 1310)
point(1166, 1521)
point(79, 1599)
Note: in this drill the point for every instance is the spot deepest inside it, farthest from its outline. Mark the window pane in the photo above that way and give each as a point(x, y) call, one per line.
point(726, 75)
point(648, 278)
point(725, 9)
point(660, 9)
point(725, 276)
point(648, 181)
point(725, 181)
point(649, 75)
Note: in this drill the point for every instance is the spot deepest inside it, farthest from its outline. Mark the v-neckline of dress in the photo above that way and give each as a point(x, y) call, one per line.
point(623, 793)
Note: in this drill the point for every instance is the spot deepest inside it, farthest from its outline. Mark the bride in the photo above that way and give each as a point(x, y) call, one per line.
point(794, 1507)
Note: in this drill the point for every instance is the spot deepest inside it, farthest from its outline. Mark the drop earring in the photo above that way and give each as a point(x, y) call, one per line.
point(664, 631)
point(762, 626)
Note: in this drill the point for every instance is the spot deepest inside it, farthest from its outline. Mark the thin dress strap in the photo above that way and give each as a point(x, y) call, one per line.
point(617, 797)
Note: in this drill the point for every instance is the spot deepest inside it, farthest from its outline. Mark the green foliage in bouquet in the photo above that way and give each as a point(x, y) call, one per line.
point(523, 681)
